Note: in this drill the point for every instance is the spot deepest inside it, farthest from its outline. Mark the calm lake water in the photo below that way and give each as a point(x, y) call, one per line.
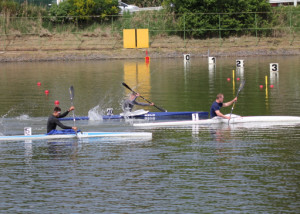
point(193, 169)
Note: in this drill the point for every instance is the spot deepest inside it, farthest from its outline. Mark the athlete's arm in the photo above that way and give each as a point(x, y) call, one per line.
point(221, 115)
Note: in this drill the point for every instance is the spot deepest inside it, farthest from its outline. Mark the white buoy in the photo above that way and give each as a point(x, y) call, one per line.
point(27, 131)
point(274, 67)
point(186, 57)
point(211, 60)
point(239, 63)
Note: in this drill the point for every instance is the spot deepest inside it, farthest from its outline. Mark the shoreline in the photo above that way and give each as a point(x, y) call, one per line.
point(82, 55)
point(105, 46)
point(31, 49)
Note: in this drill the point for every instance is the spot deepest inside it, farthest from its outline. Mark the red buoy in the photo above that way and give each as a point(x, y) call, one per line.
point(56, 102)
point(39, 84)
point(261, 86)
point(228, 79)
point(271, 86)
point(46, 91)
point(238, 79)
point(147, 59)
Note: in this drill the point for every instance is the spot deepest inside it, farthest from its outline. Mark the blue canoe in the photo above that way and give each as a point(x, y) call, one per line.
point(152, 116)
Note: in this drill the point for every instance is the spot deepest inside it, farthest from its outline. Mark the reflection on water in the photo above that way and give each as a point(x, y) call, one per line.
point(220, 135)
point(28, 152)
point(240, 73)
point(179, 167)
point(274, 78)
point(173, 84)
point(195, 169)
point(63, 149)
point(137, 76)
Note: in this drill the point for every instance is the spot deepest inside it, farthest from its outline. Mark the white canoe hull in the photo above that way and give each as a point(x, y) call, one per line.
point(79, 136)
point(134, 113)
point(235, 119)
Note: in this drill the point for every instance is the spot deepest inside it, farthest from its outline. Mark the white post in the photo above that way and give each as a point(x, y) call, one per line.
point(109, 111)
point(274, 67)
point(186, 57)
point(295, 3)
point(239, 63)
point(211, 60)
point(195, 117)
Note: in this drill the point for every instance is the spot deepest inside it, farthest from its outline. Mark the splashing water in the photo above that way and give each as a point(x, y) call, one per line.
point(4, 116)
point(95, 113)
point(2, 126)
point(23, 117)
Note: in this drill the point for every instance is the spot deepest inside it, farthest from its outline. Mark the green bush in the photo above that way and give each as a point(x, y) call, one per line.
point(9, 7)
point(207, 18)
point(189, 18)
point(32, 11)
point(144, 3)
point(288, 17)
point(83, 10)
point(59, 13)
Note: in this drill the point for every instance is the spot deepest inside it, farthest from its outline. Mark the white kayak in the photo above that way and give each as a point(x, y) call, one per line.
point(79, 136)
point(235, 119)
point(134, 113)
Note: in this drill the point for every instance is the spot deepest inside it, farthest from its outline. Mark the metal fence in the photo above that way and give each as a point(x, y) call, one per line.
point(96, 33)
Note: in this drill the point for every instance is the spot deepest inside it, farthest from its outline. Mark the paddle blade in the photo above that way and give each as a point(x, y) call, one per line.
point(161, 109)
point(126, 86)
point(71, 90)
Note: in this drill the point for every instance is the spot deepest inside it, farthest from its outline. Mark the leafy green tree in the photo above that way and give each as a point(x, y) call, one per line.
point(82, 8)
point(144, 3)
point(85, 9)
point(59, 13)
point(8, 7)
point(207, 18)
point(106, 7)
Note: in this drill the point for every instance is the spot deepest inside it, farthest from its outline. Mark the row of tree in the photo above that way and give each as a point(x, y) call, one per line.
point(84, 9)
point(235, 15)
point(144, 3)
point(78, 8)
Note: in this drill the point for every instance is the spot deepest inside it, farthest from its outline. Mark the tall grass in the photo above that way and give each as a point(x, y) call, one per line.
point(158, 22)
point(29, 19)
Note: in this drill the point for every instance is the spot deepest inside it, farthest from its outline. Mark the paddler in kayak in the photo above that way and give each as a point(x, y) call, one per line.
point(131, 101)
point(53, 121)
point(217, 104)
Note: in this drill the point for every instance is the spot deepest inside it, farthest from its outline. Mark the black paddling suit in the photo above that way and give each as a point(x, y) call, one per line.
point(54, 121)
